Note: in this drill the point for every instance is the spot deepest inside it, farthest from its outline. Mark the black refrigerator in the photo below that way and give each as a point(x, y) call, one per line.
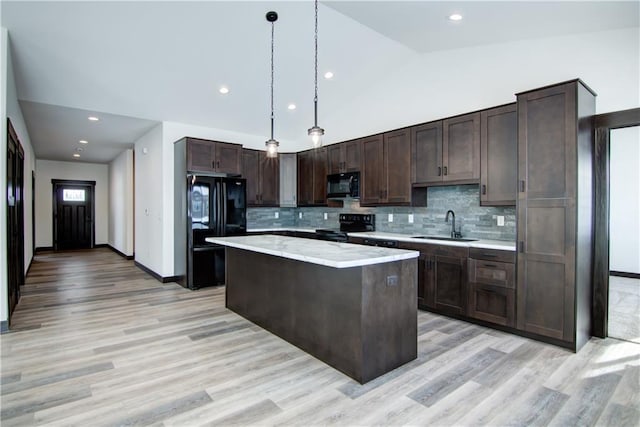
point(215, 207)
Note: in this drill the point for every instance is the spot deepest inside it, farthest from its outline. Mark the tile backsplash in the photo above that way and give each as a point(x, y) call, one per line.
point(472, 219)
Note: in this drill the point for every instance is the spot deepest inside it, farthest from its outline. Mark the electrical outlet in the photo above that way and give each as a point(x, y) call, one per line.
point(390, 217)
point(277, 215)
point(326, 215)
point(392, 281)
point(300, 215)
point(410, 218)
point(500, 219)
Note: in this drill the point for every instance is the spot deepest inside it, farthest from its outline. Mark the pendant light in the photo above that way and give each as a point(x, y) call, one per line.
point(316, 132)
point(272, 144)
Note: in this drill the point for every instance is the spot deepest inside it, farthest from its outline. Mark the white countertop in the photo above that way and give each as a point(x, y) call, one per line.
point(481, 243)
point(331, 254)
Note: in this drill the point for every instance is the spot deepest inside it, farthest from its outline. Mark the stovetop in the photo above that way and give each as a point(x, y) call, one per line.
point(352, 223)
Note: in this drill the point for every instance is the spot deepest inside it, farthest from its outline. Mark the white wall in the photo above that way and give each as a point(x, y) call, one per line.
point(150, 192)
point(121, 203)
point(624, 219)
point(11, 109)
point(46, 170)
point(441, 84)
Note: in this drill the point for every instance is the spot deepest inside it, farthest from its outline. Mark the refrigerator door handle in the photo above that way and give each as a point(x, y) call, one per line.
point(224, 207)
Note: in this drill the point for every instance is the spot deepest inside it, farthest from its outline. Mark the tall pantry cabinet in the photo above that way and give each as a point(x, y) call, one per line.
point(555, 140)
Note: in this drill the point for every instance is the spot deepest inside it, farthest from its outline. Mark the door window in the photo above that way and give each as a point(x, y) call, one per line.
point(73, 195)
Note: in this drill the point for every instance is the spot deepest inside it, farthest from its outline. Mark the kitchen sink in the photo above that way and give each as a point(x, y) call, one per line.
point(451, 239)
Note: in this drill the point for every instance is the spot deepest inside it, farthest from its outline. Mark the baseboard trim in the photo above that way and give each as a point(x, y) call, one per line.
point(155, 275)
point(623, 274)
point(4, 326)
point(43, 249)
point(128, 257)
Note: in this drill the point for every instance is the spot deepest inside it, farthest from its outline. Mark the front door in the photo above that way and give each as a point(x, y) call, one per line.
point(73, 214)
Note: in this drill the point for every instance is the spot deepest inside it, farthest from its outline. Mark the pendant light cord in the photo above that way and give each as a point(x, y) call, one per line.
point(315, 98)
point(272, 37)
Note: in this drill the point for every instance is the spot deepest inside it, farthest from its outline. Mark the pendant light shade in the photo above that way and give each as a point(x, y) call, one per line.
point(316, 132)
point(272, 144)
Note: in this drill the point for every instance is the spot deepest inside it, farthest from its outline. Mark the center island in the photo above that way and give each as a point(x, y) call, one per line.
point(351, 306)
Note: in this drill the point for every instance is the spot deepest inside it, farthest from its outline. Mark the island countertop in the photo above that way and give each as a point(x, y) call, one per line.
point(331, 254)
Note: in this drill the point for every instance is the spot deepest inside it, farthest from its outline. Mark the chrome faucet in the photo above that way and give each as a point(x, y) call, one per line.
point(454, 234)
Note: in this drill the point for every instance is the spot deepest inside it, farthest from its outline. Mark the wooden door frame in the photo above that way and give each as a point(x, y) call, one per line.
point(55, 183)
point(604, 123)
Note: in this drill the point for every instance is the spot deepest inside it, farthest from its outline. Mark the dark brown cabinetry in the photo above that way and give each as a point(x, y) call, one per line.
point(492, 286)
point(498, 156)
point(386, 169)
point(447, 151)
point(213, 157)
point(555, 140)
point(344, 157)
point(263, 175)
point(312, 177)
point(442, 277)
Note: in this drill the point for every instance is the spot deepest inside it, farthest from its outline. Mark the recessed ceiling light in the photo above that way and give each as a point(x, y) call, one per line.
point(328, 75)
point(76, 155)
point(93, 118)
point(292, 106)
point(455, 17)
point(223, 90)
point(83, 141)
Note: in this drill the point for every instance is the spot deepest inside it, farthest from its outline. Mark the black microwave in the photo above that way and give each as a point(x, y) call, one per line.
point(342, 185)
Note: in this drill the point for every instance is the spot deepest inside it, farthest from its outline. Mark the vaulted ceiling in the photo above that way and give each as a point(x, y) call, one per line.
point(137, 63)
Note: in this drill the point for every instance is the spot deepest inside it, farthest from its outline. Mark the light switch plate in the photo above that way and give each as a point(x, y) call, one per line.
point(410, 218)
point(277, 215)
point(390, 217)
point(300, 215)
point(500, 219)
point(326, 215)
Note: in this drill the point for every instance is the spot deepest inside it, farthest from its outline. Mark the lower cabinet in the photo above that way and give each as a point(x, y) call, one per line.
point(445, 279)
point(492, 294)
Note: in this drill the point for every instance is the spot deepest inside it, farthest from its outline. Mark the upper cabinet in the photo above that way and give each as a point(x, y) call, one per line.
point(499, 156)
point(213, 157)
point(386, 169)
point(344, 157)
point(447, 151)
point(312, 177)
point(262, 174)
point(288, 186)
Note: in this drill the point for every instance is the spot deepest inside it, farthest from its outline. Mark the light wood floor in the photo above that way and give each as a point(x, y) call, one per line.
point(624, 308)
point(99, 342)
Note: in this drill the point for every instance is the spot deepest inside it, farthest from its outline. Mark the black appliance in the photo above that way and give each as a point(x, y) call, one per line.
point(341, 185)
point(216, 207)
point(348, 223)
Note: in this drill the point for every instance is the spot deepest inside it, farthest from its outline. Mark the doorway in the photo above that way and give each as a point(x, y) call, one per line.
point(607, 301)
point(15, 218)
point(73, 214)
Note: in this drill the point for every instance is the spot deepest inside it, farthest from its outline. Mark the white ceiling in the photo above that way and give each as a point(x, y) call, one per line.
point(135, 64)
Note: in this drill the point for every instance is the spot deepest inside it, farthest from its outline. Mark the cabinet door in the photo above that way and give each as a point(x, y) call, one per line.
point(352, 156)
point(305, 178)
point(373, 173)
point(269, 180)
point(320, 176)
point(426, 153)
point(450, 293)
point(200, 155)
point(228, 158)
point(493, 304)
point(547, 212)
point(461, 148)
point(498, 156)
point(287, 179)
point(335, 158)
point(398, 166)
point(251, 172)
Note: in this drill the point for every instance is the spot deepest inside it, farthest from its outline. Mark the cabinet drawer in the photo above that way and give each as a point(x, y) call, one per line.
point(493, 255)
point(492, 273)
point(493, 304)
